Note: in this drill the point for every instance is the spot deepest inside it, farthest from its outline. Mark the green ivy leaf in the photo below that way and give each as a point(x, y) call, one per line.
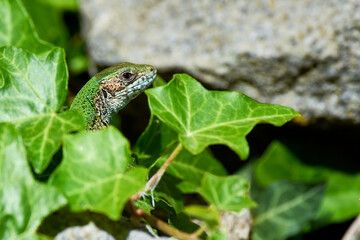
point(16, 29)
point(48, 21)
point(32, 86)
point(204, 117)
point(209, 215)
point(33, 91)
point(192, 168)
point(93, 173)
point(183, 222)
point(226, 193)
point(42, 135)
point(23, 201)
point(145, 204)
point(217, 235)
point(70, 5)
point(279, 163)
point(154, 140)
point(2, 80)
point(284, 209)
point(168, 190)
point(158, 141)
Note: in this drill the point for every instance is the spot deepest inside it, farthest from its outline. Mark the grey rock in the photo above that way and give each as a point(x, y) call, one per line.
point(302, 53)
point(238, 225)
point(87, 232)
point(92, 232)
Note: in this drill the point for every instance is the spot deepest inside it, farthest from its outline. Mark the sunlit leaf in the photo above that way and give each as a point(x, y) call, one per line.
point(42, 135)
point(93, 172)
point(209, 215)
point(204, 117)
point(217, 235)
point(23, 202)
point(34, 90)
point(226, 193)
point(32, 86)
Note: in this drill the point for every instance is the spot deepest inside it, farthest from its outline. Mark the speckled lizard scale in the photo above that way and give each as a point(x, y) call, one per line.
point(110, 90)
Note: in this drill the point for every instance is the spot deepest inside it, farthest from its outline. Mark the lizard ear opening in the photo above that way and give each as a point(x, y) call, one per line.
point(104, 93)
point(111, 86)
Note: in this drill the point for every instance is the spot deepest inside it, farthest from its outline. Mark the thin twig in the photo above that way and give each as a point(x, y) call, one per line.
point(199, 231)
point(157, 176)
point(163, 226)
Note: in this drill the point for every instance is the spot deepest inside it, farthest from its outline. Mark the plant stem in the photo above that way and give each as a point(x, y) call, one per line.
point(163, 226)
point(157, 176)
point(199, 231)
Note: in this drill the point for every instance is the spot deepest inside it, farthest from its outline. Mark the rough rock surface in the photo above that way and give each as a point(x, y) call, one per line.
point(304, 53)
point(238, 225)
point(91, 232)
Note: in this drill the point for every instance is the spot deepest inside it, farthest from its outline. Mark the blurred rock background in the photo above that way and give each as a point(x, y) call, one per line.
point(303, 54)
point(300, 53)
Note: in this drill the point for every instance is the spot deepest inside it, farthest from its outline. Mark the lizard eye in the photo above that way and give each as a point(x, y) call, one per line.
point(126, 76)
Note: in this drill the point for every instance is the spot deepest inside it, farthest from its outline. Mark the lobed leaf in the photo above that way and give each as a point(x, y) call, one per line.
point(279, 163)
point(203, 117)
point(16, 29)
point(42, 135)
point(284, 209)
point(167, 189)
point(192, 168)
point(23, 201)
point(93, 172)
point(48, 21)
point(158, 141)
point(32, 86)
point(34, 90)
point(226, 193)
point(209, 215)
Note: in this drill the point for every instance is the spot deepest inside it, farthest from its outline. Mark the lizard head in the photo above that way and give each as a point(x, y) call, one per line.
point(123, 82)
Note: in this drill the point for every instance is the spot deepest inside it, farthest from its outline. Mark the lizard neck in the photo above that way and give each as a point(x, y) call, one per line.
point(103, 111)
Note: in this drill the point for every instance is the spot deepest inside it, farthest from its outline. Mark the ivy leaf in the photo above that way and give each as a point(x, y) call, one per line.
point(16, 29)
point(158, 141)
point(183, 222)
point(154, 140)
point(32, 86)
point(284, 209)
point(209, 215)
point(168, 190)
point(23, 201)
point(33, 91)
point(217, 235)
point(226, 193)
point(93, 172)
point(48, 22)
point(70, 5)
point(42, 135)
point(203, 117)
point(192, 168)
point(279, 163)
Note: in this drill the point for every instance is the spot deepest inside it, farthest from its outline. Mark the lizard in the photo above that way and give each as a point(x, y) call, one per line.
point(111, 90)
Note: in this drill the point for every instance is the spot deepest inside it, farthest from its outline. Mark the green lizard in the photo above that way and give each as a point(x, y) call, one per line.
point(110, 90)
